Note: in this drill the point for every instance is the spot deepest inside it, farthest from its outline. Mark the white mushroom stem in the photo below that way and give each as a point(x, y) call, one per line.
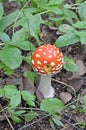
point(45, 86)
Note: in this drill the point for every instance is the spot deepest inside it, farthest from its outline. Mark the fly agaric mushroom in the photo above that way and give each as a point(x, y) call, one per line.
point(47, 60)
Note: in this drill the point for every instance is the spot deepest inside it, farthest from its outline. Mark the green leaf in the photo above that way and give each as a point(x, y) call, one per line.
point(52, 105)
point(16, 119)
point(27, 59)
point(20, 35)
point(39, 3)
point(30, 116)
point(11, 56)
point(80, 24)
point(69, 15)
point(82, 35)
point(27, 11)
point(24, 45)
point(10, 90)
point(1, 92)
point(8, 20)
point(52, 8)
point(19, 112)
point(52, 124)
point(57, 121)
point(55, 2)
point(82, 10)
point(15, 100)
point(1, 11)
point(29, 98)
point(66, 39)
point(4, 37)
point(7, 70)
point(30, 75)
point(65, 28)
point(69, 64)
point(34, 25)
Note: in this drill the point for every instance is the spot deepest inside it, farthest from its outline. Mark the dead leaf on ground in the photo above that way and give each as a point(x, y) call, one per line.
point(83, 93)
point(17, 81)
point(81, 71)
point(65, 97)
point(76, 83)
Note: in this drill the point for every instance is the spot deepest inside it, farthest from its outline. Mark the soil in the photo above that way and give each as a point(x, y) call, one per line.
point(67, 86)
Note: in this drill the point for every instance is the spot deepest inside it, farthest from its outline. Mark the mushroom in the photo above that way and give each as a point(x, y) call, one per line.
point(47, 60)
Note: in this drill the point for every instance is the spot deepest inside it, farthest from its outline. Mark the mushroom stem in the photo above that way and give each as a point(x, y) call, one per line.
point(45, 86)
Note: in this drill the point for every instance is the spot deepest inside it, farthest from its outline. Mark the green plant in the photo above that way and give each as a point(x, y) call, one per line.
point(28, 19)
point(24, 23)
point(49, 107)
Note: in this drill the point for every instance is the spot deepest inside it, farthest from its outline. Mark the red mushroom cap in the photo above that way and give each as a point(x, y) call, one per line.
point(47, 59)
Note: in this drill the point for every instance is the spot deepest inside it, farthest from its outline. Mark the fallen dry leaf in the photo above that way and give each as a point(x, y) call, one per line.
point(65, 97)
point(81, 71)
point(76, 83)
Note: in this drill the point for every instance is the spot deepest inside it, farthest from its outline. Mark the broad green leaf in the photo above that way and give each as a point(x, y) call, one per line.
point(7, 70)
point(30, 75)
point(8, 20)
point(25, 45)
point(27, 11)
point(82, 10)
point(52, 8)
point(34, 25)
point(82, 35)
point(69, 64)
point(27, 59)
point(66, 39)
point(1, 11)
point(4, 37)
point(65, 28)
point(57, 121)
point(29, 98)
point(55, 2)
point(1, 92)
point(39, 3)
point(30, 116)
point(80, 24)
point(23, 21)
point(69, 13)
point(19, 35)
point(52, 105)
point(19, 112)
point(11, 56)
point(10, 90)
point(15, 100)
point(16, 119)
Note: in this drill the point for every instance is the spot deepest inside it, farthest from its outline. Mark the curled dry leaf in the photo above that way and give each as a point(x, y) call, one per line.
point(65, 97)
point(81, 71)
point(76, 83)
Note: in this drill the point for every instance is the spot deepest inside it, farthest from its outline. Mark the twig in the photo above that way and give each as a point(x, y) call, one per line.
point(73, 125)
point(30, 124)
point(7, 118)
point(65, 85)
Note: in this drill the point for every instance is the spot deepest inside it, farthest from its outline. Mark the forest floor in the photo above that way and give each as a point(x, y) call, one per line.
point(68, 86)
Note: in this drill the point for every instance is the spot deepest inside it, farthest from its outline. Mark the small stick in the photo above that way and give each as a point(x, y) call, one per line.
point(30, 124)
point(7, 118)
point(65, 85)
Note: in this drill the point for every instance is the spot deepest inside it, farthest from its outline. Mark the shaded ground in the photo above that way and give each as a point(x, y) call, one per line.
point(67, 87)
